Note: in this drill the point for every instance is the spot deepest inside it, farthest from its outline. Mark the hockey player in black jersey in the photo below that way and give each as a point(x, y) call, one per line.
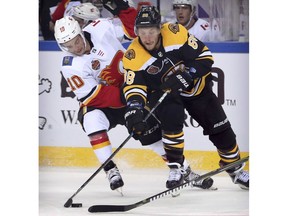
point(166, 57)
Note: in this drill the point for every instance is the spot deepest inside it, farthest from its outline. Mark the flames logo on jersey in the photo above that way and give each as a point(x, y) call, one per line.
point(173, 28)
point(95, 64)
point(112, 74)
point(130, 54)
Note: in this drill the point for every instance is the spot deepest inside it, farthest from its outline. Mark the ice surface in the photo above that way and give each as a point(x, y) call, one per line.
point(57, 185)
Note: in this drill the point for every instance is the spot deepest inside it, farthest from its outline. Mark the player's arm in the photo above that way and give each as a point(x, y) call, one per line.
point(59, 11)
point(135, 93)
point(196, 56)
point(99, 96)
point(87, 89)
point(135, 88)
point(126, 14)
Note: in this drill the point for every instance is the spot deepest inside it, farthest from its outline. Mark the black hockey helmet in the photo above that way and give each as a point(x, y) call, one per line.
point(148, 16)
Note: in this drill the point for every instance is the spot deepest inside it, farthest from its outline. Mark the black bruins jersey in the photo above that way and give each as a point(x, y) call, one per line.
point(145, 71)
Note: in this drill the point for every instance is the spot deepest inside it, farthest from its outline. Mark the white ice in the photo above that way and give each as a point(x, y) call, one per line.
point(57, 185)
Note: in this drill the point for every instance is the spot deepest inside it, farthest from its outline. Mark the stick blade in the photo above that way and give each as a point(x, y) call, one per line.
point(109, 208)
point(68, 203)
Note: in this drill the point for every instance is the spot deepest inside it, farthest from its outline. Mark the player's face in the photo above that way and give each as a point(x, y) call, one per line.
point(183, 13)
point(76, 46)
point(149, 36)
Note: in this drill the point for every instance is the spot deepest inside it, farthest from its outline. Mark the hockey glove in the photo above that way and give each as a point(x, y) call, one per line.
point(134, 118)
point(115, 6)
point(177, 82)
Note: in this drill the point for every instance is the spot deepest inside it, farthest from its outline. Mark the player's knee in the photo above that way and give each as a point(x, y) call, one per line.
point(224, 140)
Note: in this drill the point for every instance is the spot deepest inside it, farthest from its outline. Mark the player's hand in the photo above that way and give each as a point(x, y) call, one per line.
point(178, 81)
point(134, 118)
point(115, 6)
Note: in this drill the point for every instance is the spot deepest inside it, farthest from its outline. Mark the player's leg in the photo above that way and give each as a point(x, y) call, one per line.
point(96, 124)
point(209, 113)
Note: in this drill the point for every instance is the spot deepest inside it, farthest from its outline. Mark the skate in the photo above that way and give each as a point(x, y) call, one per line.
point(176, 175)
point(240, 177)
point(190, 176)
point(115, 179)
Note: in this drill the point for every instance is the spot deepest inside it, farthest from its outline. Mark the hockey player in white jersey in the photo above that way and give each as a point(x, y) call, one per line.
point(94, 72)
point(186, 15)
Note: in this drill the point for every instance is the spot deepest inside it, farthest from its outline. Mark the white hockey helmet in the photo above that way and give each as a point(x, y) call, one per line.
point(132, 4)
point(86, 11)
point(66, 29)
point(192, 3)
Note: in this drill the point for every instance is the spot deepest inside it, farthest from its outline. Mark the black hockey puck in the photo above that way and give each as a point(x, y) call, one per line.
point(76, 205)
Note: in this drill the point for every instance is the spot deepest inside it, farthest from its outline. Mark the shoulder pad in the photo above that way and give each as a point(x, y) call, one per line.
point(173, 34)
point(135, 56)
point(67, 61)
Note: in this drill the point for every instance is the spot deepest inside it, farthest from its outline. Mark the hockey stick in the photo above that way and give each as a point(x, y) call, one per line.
point(124, 208)
point(70, 200)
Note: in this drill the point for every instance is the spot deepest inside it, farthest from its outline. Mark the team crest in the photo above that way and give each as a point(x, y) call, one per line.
point(173, 28)
point(95, 64)
point(130, 54)
point(153, 70)
point(67, 60)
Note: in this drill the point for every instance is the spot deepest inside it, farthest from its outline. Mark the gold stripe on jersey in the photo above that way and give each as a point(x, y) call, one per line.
point(205, 54)
point(199, 85)
point(93, 95)
point(135, 90)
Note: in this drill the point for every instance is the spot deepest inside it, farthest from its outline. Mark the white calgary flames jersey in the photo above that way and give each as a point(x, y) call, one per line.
point(204, 32)
point(201, 30)
point(95, 78)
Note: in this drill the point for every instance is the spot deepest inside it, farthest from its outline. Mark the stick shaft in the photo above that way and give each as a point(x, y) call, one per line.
point(69, 201)
point(123, 208)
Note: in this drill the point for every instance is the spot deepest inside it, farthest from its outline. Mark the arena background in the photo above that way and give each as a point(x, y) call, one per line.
point(63, 143)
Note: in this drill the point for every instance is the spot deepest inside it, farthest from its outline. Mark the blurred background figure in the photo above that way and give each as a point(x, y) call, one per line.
point(186, 15)
point(228, 19)
point(49, 12)
point(84, 13)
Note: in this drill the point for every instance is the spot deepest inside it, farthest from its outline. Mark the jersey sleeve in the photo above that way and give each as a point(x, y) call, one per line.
point(135, 88)
point(128, 17)
point(60, 9)
point(197, 57)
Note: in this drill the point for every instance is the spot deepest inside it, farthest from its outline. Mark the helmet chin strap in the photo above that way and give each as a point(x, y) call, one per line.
point(188, 23)
point(190, 20)
point(85, 41)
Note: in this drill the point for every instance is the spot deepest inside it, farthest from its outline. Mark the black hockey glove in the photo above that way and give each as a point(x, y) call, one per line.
point(177, 81)
point(134, 118)
point(115, 6)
